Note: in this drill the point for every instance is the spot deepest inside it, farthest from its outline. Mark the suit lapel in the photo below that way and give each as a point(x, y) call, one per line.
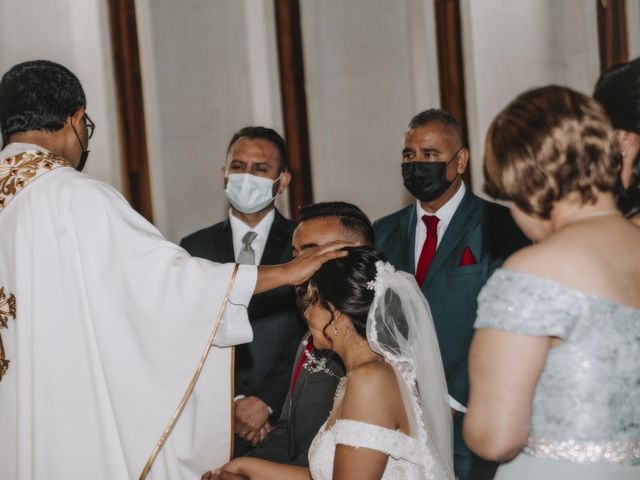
point(408, 241)
point(277, 241)
point(222, 244)
point(292, 394)
point(464, 219)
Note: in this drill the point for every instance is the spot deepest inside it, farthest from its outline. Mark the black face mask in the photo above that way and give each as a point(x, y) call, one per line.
point(427, 181)
point(84, 155)
point(83, 159)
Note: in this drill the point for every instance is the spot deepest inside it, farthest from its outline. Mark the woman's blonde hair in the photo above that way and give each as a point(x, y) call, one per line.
point(547, 143)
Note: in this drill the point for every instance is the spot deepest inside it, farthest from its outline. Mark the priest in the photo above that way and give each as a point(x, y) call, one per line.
point(102, 321)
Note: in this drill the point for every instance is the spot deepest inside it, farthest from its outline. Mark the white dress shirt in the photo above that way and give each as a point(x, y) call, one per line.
point(239, 229)
point(445, 214)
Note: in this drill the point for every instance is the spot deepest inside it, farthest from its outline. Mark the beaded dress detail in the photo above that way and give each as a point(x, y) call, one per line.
point(586, 406)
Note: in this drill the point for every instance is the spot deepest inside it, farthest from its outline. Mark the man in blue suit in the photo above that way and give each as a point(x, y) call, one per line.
point(451, 240)
point(256, 233)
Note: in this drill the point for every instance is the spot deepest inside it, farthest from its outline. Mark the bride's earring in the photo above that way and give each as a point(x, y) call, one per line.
point(335, 330)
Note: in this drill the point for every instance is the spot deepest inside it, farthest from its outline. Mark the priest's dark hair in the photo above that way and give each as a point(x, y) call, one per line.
point(264, 133)
point(351, 217)
point(38, 95)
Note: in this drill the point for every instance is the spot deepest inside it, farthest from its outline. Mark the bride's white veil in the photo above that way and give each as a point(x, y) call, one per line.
point(400, 328)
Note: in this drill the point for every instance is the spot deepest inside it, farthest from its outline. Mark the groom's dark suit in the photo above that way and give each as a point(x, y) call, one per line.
point(303, 413)
point(262, 367)
point(451, 289)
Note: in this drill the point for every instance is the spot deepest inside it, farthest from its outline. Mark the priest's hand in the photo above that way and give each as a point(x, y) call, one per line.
point(251, 414)
point(301, 268)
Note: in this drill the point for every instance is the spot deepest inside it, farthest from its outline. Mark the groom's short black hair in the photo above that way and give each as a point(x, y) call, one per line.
point(38, 95)
point(351, 217)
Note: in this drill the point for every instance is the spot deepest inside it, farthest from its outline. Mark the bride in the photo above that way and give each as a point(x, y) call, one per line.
point(393, 399)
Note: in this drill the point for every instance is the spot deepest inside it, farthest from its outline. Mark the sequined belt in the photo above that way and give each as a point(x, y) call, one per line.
point(614, 451)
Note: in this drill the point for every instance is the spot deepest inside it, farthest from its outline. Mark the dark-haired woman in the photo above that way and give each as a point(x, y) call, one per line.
point(554, 364)
point(618, 91)
point(391, 417)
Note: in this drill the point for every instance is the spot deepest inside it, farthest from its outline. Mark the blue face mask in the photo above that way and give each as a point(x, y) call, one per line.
point(249, 193)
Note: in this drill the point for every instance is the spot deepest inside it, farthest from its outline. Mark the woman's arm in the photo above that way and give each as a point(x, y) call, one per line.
point(504, 369)
point(361, 463)
point(258, 469)
point(372, 396)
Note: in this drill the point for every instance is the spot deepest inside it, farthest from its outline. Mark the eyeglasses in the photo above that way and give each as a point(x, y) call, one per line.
point(89, 124)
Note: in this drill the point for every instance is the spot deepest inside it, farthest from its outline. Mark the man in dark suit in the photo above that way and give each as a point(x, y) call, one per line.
point(311, 390)
point(255, 232)
point(452, 241)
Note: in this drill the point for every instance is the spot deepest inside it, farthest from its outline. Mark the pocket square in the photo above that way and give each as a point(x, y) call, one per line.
point(467, 258)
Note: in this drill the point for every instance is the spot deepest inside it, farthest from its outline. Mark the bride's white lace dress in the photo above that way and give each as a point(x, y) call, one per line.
point(404, 452)
point(400, 328)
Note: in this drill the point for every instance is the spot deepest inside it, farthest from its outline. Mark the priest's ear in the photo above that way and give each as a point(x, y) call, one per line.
point(77, 119)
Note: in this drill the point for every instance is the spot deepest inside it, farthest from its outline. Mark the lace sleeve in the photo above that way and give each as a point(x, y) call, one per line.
point(359, 434)
point(522, 303)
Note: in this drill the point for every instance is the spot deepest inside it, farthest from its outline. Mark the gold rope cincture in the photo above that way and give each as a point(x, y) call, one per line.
point(192, 384)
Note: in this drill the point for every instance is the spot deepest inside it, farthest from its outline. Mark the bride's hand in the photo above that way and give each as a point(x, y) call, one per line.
point(222, 475)
point(230, 471)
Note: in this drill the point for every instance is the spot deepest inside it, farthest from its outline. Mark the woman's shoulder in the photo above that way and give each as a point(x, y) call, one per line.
point(593, 259)
point(372, 376)
point(372, 395)
point(550, 259)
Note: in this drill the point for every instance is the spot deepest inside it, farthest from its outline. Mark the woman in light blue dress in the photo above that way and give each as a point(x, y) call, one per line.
point(555, 362)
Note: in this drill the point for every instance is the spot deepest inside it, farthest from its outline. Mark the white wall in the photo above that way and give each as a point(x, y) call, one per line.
point(513, 45)
point(74, 33)
point(370, 65)
point(633, 28)
point(209, 69)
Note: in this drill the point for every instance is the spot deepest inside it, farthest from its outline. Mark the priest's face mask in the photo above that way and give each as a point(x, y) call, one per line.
point(253, 175)
point(86, 132)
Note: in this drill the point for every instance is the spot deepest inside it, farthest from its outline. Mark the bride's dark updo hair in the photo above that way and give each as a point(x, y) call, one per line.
point(341, 284)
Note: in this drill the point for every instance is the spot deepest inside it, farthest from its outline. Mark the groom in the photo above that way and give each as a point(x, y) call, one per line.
point(451, 240)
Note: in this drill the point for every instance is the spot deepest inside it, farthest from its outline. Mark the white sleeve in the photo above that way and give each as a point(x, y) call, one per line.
point(456, 405)
point(151, 287)
point(235, 327)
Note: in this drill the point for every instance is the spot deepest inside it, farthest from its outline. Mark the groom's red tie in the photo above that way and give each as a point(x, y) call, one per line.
point(429, 247)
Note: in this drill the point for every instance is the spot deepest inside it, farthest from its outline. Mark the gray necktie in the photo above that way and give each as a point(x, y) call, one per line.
point(247, 255)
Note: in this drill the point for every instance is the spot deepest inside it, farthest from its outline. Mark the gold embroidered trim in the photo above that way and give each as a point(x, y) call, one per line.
point(7, 311)
point(18, 171)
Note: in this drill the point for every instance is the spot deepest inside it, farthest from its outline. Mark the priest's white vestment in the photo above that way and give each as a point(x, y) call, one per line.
point(104, 322)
